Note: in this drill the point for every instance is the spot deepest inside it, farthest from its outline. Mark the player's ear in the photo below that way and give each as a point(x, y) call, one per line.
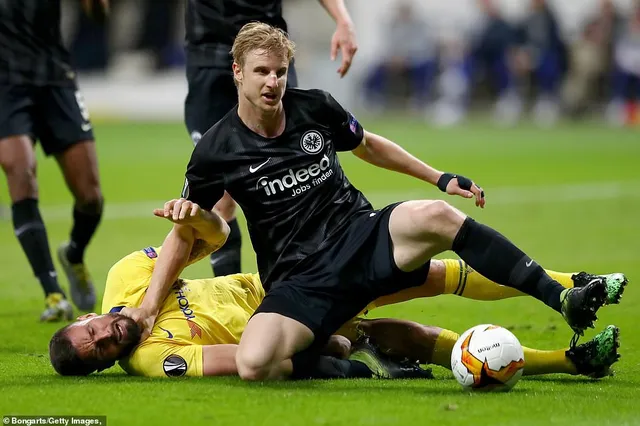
point(237, 72)
point(86, 316)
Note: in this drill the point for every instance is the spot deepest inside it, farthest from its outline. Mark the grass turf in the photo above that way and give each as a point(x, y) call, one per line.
point(569, 196)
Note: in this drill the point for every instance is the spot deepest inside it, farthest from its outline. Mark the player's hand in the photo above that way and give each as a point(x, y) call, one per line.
point(144, 319)
point(344, 39)
point(459, 185)
point(180, 211)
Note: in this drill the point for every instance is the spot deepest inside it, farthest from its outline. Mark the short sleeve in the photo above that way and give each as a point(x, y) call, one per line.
point(348, 132)
point(159, 359)
point(204, 183)
point(128, 280)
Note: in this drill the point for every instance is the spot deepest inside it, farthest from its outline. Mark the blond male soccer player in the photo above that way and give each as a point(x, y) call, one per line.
point(201, 321)
point(324, 253)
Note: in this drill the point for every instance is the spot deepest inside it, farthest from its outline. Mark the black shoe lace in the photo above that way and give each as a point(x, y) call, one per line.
point(574, 340)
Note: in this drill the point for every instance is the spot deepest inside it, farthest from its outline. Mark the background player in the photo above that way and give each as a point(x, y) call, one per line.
point(201, 322)
point(40, 101)
point(211, 27)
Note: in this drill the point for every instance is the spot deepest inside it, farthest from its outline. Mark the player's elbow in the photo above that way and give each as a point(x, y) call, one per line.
point(218, 239)
point(183, 233)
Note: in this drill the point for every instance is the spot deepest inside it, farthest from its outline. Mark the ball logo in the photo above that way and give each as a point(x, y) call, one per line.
point(174, 366)
point(483, 375)
point(312, 142)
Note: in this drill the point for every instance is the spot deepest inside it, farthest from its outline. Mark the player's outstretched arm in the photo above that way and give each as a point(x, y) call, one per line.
point(384, 153)
point(344, 38)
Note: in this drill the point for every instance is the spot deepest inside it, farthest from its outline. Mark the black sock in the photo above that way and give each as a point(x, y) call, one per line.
point(226, 261)
point(494, 256)
point(85, 223)
point(309, 365)
point(29, 228)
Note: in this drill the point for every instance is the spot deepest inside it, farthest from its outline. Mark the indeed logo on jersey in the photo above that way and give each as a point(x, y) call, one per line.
point(300, 180)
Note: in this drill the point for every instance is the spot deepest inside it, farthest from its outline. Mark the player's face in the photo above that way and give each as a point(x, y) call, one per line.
point(104, 338)
point(263, 79)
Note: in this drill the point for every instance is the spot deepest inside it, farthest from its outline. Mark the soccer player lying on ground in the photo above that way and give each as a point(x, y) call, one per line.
point(324, 253)
point(201, 321)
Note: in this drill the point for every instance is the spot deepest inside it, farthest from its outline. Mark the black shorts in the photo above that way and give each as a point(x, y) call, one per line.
point(338, 281)
point(212, 94)
point(56, 116)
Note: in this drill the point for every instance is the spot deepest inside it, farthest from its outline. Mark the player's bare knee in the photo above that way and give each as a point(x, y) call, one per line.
point(252, 366)
point(90, 201)
point(436, 219)
point(21, 179)
point(337, 346)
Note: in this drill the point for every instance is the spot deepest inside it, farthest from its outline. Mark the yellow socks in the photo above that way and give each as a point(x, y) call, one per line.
point(443, 347)
point(546, 362)
point(463, 281)
point(562, 277)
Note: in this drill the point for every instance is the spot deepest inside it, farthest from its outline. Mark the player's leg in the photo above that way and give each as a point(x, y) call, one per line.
point(433, 345)
point(212, 94)
point(267, 345)
point(18, 161)
point(67, 134)
point(286, 339)
point(422, 229)
point(275, 347)
point(17, 158)
point(453, 276)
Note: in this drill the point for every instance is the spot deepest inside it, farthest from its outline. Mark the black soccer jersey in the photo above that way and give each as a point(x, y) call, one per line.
point(291, 188)
point(31, 48)
point(212, 26)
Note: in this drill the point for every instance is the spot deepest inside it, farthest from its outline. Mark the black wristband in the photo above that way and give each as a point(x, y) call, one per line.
point(444, 181)
point(463, 182)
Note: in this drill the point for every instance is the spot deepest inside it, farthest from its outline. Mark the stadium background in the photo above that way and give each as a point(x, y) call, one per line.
point(569, 195)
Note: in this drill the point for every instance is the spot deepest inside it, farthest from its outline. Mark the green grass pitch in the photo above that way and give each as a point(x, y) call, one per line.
point(568, 196)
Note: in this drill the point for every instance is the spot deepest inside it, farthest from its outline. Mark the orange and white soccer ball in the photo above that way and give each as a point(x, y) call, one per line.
point(487, 357)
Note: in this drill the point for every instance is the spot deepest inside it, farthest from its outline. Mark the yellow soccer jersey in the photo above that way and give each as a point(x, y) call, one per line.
point(195, 313)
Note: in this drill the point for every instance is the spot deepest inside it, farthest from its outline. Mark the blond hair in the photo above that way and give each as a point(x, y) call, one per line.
point(258, 35)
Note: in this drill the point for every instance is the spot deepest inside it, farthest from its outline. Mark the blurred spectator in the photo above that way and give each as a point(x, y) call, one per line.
point(543, 54)
point(452, 87)
point(409, 55)
point(490, 53)
point(626, 82)
point(89, 45)
point(587, 63)
point(157, 36)
point(154, 43)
